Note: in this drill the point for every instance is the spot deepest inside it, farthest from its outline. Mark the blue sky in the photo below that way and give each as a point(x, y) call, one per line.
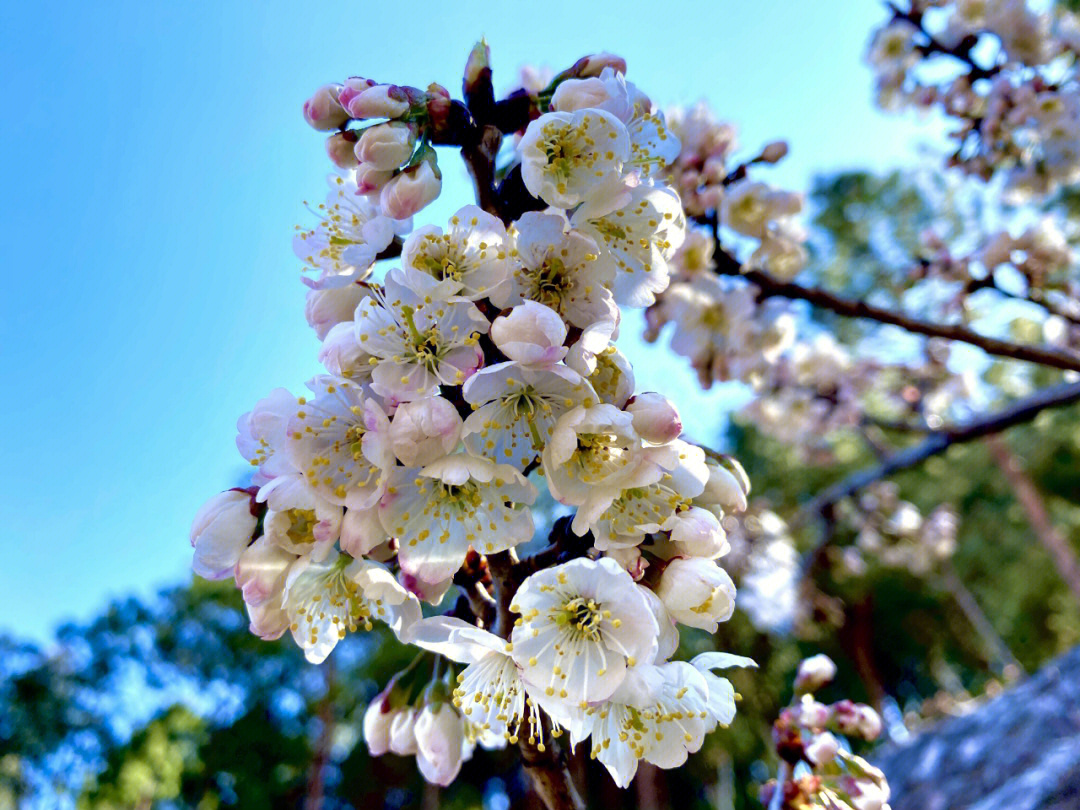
point(154, 160)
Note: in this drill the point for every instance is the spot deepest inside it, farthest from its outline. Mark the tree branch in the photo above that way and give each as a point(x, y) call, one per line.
point(770, 286)
point(1056, 544)
point(936, 442)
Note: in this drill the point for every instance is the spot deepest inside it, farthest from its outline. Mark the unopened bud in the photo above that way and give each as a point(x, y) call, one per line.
point(814, 673)
point(353, 87)
point(380, 101)
point(412, 189)
point(322, 111)
point(386, 146)
point(369, 179)
point(728, 484)
point(774, 152)
point(655, 418)
point(594, 64)
point(424, 430)
point(340, 148)
point(822, 748)
point(478, 66)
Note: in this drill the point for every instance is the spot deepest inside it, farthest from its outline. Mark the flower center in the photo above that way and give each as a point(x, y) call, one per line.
point(584, 615)
point(301, 525)
point(354, 438)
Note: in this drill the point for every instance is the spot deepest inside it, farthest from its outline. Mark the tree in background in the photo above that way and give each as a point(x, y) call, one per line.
point(909, 368)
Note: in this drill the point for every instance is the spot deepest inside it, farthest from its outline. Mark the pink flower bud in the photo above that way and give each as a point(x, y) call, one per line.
point(532, 334)
point(655, 417)
point(411, 190)
point(814, 673)
point(369, 179)
point(822, 749)
point(856, 719)
point(594, 64)
point(222, 529)
point(322, 111)
point(577, 94)
point(386, 146)
point(424, 430)
point(352, 88)
point(812, 713)
point(774, 152)
point(478, 62)
point(340, 148)
point(377, 720)
point(380, 101)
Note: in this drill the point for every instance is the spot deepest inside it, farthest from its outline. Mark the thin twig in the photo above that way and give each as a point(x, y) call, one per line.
point(770, 286)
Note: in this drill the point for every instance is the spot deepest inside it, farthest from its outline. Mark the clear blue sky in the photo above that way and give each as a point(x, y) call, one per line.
point(153, 162)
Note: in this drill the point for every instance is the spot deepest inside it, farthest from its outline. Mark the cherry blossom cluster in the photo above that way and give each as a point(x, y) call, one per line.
point(893, 532)
point(1003, 70)
point(820, 771)
point(478, 368)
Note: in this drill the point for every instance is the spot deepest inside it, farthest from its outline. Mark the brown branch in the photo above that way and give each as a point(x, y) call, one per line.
point(770, 286)
point(999, 656)
point(1056, 544)
point(935, 443)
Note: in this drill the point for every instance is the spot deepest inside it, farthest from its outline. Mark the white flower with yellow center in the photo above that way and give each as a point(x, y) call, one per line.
point(658, 714)
point(469, 259)
point(339, 441)
point(566, 155)
point(437, 512)
point(298, 519)
point(641, 237)
point(593, 452)
point(490, 691)
point(327, 600)
point(517, 408)
point(419, 342)
point(582, 624)
point(645, 505)
point(652, 145)
point(563, 270)
point(353, 231)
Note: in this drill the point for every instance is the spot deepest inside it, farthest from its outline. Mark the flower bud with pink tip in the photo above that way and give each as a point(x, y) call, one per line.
point(386, 146)
point(424, 431)
point(655, 418)
point(380, 101)
point(341, 149)
point(323, 111)
point(814, 672)
point(222, 529)
point(409, 191)
point(532, 335)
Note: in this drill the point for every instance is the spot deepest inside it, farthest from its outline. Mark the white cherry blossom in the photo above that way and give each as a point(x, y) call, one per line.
point(559, 268)
point(582, 624)
point(437, 512)
point(326, 600)
point(565, 155)
point(339, 441)
point(532, 335)
point(419, 342)
point(641, 237)
point(469, 259)
point(516, 409)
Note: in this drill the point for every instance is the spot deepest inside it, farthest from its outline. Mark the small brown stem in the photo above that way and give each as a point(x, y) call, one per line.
point(999, 655)
point(1056, 544)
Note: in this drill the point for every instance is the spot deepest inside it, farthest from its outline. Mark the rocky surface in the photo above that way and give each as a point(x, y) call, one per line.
point(1017, 751)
